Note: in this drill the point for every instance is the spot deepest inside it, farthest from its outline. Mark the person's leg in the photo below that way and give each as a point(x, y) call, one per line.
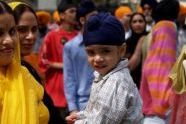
point(168, 116)
point(153, 120)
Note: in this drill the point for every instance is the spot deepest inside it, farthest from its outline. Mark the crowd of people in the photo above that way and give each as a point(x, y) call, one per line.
point(87, 65)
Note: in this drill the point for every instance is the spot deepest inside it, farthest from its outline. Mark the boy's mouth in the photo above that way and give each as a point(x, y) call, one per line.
point(99, 66)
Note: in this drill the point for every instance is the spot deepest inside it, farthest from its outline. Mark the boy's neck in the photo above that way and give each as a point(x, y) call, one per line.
point(66, 26)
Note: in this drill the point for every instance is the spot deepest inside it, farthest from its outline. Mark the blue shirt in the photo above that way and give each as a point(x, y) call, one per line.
point(78, 74)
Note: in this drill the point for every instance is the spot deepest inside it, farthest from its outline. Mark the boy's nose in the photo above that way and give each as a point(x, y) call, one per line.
point(98, 58)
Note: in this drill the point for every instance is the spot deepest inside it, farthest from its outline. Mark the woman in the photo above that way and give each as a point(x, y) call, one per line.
point(27, 27)
point(20, 94)
point(138, 27)
point(155, 87)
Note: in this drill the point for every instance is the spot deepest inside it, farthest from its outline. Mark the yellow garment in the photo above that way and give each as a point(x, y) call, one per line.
point(177, 74)
point(56, 16)
point(21, 95)
point(13, 5)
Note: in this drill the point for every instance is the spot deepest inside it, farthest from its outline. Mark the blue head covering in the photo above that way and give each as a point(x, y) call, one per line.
point(103, 29)
point(86, 7)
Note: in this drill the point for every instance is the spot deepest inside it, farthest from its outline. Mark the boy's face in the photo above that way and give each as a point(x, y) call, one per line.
point(104, 58)
point(69, 15)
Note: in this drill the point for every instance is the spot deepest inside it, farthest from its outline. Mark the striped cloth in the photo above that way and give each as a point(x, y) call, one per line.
point(155, 85)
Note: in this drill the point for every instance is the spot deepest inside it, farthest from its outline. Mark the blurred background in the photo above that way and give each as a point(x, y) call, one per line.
point(50, 5)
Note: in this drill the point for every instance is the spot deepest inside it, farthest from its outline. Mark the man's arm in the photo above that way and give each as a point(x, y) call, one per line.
point(69, 79)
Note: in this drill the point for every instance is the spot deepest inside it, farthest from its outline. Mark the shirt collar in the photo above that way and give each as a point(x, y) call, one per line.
point(80, 37)
point(122, 64)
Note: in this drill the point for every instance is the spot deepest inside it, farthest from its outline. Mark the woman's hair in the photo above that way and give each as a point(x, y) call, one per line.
point(4, 8)
point(20, 9)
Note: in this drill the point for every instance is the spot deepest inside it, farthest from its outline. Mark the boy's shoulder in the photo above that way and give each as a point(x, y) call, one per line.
point(75, 42)
point(122, 78)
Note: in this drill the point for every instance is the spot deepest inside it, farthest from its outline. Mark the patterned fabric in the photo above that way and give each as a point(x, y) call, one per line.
point(155, 85)
point(114, 99)
point(52, 51)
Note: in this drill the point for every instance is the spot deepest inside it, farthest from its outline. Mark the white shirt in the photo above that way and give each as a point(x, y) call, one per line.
point(114, 99)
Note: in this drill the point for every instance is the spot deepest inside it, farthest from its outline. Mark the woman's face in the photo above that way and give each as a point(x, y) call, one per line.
point(138, 24)
point(8, 38)
point(28, 31)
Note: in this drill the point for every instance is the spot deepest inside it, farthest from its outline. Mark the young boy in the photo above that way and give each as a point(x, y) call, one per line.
point(78, 74)
point(51, 58)
point(114, 97)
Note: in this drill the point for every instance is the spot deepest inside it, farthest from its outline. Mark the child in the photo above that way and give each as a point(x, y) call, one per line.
point(78, 74)
point(51, 57)
point(114, 97)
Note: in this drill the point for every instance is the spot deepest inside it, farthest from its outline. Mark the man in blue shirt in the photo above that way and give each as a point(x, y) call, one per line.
point(78, 74)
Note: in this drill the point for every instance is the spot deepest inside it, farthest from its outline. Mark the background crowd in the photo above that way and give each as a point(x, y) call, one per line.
point(52, 57)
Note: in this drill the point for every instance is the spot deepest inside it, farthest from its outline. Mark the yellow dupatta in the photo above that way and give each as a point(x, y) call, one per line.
point(21, 95)
point(177, 74)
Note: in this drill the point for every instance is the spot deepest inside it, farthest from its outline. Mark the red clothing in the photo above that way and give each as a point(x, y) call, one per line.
point(52, 51)
point(179, 109)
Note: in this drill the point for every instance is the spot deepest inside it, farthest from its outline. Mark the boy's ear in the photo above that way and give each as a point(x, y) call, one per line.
point(82, 20)
point(123, 49)
point(62, 16)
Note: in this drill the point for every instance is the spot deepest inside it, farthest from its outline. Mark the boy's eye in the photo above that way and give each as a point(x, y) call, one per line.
point(90, 52)
point(105, 51)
